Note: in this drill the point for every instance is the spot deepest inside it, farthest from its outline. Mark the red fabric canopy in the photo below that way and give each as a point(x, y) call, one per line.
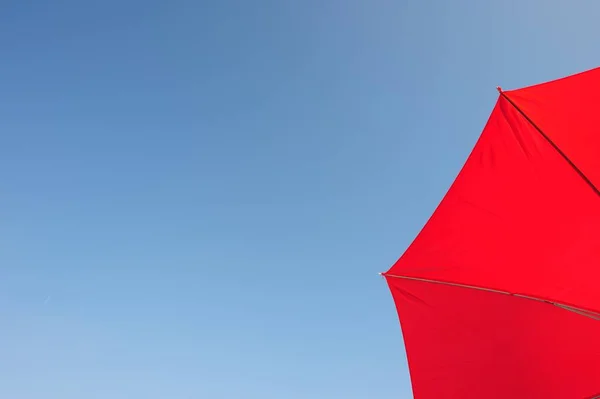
point(499, 294)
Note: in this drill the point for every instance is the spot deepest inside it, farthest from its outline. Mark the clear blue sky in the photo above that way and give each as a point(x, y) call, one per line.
point(196, 196)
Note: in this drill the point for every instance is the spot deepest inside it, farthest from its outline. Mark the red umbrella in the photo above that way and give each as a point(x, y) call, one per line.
point(499, 294)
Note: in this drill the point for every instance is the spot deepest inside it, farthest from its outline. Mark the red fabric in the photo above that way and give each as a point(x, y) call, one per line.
point(463, 343)
point(520, 219)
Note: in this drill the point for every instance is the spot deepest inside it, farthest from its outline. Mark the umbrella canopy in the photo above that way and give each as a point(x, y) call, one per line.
point(499, 294)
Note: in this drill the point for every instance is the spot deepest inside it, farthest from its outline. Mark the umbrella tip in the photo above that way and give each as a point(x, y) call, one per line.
point(499, 89)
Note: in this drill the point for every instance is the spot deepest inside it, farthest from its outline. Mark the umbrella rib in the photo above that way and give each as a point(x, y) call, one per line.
point(540, 131)
point(581, 312)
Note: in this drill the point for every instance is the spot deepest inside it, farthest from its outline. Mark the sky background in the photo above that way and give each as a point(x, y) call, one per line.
point(196, 196)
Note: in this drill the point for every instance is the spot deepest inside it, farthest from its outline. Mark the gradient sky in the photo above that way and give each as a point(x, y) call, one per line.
point(196, 196)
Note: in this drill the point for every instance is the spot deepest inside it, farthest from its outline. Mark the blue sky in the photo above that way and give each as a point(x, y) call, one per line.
point(196, 196)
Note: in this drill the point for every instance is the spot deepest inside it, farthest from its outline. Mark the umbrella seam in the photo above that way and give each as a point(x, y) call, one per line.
point(540, 131)
point(579, 311)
